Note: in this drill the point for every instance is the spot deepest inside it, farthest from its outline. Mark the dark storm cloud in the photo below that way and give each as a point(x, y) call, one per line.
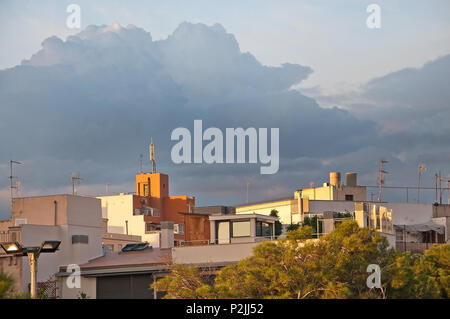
point(91, 103)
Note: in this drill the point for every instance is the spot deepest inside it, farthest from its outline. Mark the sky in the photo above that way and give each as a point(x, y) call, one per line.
point(343, 95)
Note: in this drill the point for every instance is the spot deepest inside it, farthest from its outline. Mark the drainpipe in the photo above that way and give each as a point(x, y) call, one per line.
point(56, 205)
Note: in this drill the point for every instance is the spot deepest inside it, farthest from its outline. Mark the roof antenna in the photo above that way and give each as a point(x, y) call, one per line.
point(152, 155)
point(141, 158)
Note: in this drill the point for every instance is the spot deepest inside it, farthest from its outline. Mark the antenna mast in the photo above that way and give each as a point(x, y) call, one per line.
point(141, 159)
point(421, 169)
point(152, 155)
point(75, 179)
point(381, 179)
point(11, 178)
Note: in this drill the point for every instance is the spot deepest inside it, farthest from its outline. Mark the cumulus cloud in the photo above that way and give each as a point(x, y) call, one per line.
point(412, 110)
point(91, 102)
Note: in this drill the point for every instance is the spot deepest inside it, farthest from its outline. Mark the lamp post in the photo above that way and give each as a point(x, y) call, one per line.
point(15, 249)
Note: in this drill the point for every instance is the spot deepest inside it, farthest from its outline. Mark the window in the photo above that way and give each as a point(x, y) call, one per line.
point(146, 190)
point(399, 235)
point(349, 197)
point(80, 239)
point(151, 227)
point(20, 221)
point(263, 229)
point(178, 229)
point(241, 229)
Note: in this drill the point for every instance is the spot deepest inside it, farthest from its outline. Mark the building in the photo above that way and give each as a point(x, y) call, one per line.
point(419, 236)
point(141, 214)
point(335, 190)
point(75, 221)
point(116, 241)
point(287, 209)
point(130, 272)
point(291, 210)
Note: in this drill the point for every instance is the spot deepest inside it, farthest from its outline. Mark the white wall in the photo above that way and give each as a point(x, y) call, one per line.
point(68, 253)
point(118, 209)
point(212, 253)
point(410, 213)
point(284, 209)
point(402, 213)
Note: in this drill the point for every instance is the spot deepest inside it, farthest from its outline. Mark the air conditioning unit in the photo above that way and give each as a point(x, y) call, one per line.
point(20, 221)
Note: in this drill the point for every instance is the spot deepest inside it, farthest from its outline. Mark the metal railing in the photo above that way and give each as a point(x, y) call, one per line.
point(242, 240)
point(413, 247)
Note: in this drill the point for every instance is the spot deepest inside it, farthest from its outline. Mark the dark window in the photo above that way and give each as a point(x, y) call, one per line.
point(80, 239)
point(349, 197)
point(263, 229)
point(150, 227)
point(126, 286)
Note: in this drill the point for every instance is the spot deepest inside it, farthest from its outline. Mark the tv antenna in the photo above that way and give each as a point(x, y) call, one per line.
point(422, 168)
point(141, 159)
point(75, 178)
point(440, 179)
point(11, 180)
point(381, 173)
point(152, 155)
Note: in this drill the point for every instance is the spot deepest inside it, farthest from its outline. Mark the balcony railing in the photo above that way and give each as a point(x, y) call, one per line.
point(204, 242)
point(413, 247)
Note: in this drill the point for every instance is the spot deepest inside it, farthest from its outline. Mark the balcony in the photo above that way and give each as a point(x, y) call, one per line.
point(415, 248)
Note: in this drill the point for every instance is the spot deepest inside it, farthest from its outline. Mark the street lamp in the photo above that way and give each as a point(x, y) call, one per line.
point(15, 249)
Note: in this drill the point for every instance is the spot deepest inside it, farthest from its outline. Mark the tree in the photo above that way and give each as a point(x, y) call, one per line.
point(333, 266)
point(422, 276)
point(278, 226)
point(6, 286)
point(185, 283)
point(300, 233)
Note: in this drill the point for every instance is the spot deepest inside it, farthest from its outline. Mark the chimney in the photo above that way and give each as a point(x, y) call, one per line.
point(351, 179)
point(335, 179)
point(166, 240)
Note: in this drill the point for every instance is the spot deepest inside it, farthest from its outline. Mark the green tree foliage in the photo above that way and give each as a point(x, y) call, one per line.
point(278, 226)
point(185, 283)
point(300, 233)
point(423, 276)
point(334, 266)
point(6, 286)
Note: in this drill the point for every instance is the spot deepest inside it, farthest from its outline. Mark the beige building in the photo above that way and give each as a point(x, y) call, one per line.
point(335, 189)
point(75, 221)
point(291, 210)
point(129, 273)
point(287, 209)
